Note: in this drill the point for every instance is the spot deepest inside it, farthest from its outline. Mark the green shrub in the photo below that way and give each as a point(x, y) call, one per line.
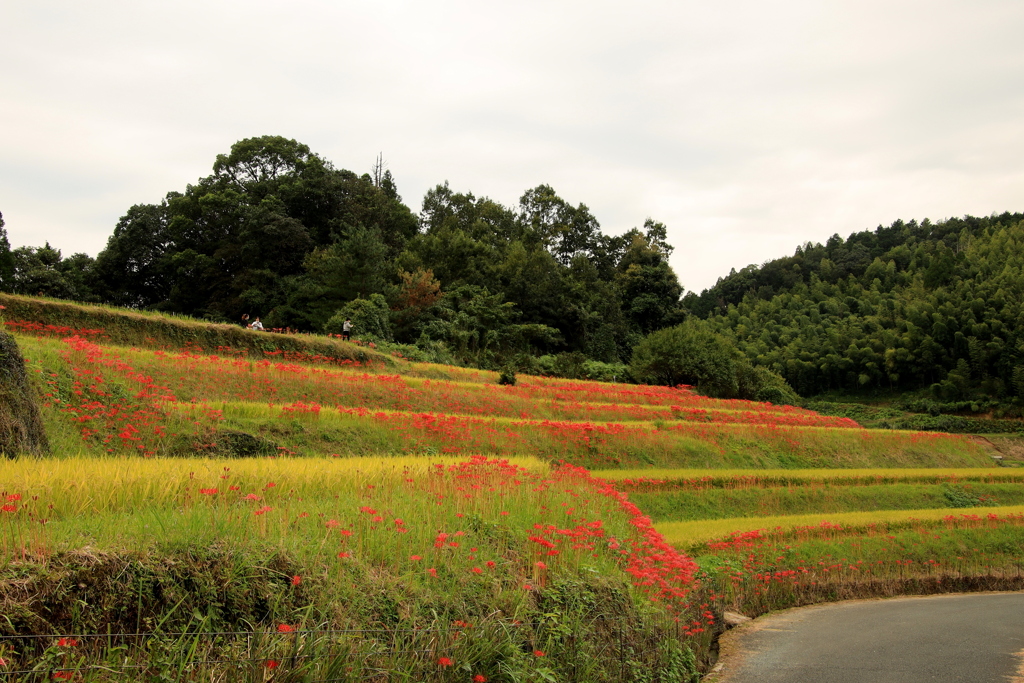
point(694, 354)
point(960, 497)
point(371, 319)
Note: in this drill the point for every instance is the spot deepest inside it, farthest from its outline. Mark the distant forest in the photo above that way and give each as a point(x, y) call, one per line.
point(913, 306)
point(276, 231)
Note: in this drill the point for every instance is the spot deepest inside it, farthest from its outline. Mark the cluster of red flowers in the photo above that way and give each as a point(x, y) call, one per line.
point(42, 330)
point(117, 421)
point(228, 376)
point(659, 569)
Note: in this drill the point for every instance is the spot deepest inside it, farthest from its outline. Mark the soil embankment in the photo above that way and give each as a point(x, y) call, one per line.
point(21, 425)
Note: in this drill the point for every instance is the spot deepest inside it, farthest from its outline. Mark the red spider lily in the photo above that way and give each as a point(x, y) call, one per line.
point(67, 642)
point(285, 628)
point(296, 580)
point(272, 664)
point(444, 661)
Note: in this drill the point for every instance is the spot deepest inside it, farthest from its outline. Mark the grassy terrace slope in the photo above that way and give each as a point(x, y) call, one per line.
point(768, 539)
point(160, 330)
point(182, 402)
point(356, 569)
point(338, 519)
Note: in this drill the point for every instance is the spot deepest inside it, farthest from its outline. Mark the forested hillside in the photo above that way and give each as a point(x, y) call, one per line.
point(277, 231)
point(906, 307)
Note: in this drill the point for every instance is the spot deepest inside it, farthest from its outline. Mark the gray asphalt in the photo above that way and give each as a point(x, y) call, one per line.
point(940, 639)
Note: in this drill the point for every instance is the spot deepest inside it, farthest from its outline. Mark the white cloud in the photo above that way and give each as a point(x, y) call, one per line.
point(747, 127)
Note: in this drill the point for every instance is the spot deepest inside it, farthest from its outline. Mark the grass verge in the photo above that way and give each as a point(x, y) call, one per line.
point(162, 331)
point(717, 503)
point(692, 532)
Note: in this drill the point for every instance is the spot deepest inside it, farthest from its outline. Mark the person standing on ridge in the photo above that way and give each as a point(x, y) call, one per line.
point(346, 330)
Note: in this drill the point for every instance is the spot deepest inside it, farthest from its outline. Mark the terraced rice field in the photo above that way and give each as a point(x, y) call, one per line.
point(449, 520)
point(767, 539)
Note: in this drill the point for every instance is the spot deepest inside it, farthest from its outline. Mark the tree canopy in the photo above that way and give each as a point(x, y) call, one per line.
point(278, 231)
point(909, 307)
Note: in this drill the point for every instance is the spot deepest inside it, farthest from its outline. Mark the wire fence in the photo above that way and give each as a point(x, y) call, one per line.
point(606, 648)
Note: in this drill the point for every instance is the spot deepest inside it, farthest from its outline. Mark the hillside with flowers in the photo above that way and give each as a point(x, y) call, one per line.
point(299, 508)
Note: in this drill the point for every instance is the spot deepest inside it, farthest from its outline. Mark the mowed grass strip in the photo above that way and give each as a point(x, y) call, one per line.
point(693, 532)
point(749, 478)
point(161, 330)
point(722, 503)
point(358, 432)
point(594, 444)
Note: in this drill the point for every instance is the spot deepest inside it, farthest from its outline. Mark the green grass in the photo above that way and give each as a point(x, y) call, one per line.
point(194, 541)
point(829, 499)
point(691, 532)
point(669, 479)
point(400, 549)
point(163, 331)
point(777, 570)
point(393, 414)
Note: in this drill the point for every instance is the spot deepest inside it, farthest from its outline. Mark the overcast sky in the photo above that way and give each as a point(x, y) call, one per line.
point(748, 127)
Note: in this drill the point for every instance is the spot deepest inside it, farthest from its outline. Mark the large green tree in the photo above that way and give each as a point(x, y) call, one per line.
point(240, 239)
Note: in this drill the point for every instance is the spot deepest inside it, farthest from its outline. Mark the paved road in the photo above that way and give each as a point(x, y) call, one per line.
point(940, 639)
